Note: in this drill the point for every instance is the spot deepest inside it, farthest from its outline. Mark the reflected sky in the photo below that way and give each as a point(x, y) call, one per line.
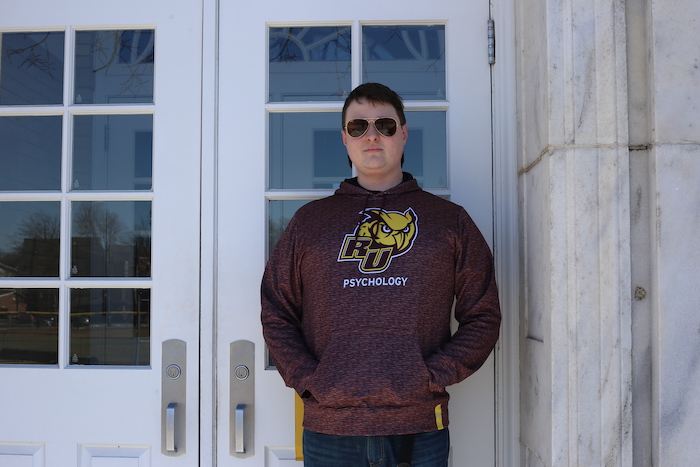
point(30, 153)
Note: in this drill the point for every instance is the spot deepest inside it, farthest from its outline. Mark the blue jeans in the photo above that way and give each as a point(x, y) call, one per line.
point(320, 450)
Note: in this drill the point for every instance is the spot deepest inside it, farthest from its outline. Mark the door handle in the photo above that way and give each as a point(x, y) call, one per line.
point(242, 399)
point(240, 434)
point(170, 427)
point(173, 398)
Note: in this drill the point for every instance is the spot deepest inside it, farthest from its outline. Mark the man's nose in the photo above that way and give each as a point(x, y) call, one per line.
point(372, 133)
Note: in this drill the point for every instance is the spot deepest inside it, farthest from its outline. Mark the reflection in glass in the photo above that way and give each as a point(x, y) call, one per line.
point(29, 326)
point(280, 212)
point(111, 239)
point(426, 149)
point(114, 66)
point(31, 68)
point(110, 326)
point(30, 153)
point(29, 238)
point(112, 152)
point(306, 151)
point(408, 59)
point(309, 63)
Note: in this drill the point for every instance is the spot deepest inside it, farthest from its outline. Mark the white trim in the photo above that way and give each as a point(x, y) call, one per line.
point(505, 220)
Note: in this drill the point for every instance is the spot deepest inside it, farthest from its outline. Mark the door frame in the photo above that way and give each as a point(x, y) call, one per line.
point(505, 223)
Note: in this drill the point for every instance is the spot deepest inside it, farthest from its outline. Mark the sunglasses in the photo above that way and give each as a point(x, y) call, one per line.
point(385, 126)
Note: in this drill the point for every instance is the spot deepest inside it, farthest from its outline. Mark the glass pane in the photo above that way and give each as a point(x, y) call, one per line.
point(29, 326)
point(31, 68)
point(280, 213)
point(426, 149)
point(310, 63)
point(408, 59)
point(112, 152)
point(30, 153)
point(306, 151)
point(29, 238)
point(114, 66)
point(111, 239)
point(110, 326)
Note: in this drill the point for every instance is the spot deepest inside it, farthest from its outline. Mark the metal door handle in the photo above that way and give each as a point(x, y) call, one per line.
point(240, 439)
point(242, 399)
point(173, 399)
point(170, 427)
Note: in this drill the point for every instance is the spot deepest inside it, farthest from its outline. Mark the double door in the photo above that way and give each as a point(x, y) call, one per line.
point(166, 144)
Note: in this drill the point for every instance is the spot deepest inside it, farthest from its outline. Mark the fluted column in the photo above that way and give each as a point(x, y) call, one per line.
point(575, 224)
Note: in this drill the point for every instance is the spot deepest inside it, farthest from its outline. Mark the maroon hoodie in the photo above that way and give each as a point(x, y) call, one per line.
point(356, 305)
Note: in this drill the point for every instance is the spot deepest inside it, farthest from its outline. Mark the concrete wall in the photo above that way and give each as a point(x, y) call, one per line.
point(609, 186)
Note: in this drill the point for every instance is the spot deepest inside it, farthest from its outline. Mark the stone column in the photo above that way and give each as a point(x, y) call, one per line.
point(575, 231)
point(674, 102)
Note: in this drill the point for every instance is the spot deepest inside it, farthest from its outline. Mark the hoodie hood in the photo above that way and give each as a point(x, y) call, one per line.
point(351, 187)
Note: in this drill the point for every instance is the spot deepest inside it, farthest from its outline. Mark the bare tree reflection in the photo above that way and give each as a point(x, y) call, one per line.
point(35, 54)
point(34, 247)
point(95, 221)
point(133, 50)
point(40, 225)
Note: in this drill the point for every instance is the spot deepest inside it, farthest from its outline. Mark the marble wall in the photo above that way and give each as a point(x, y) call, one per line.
point(674, 187)
point(609, 201)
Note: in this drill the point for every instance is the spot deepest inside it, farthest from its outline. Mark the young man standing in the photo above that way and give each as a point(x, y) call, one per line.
point(357, 300)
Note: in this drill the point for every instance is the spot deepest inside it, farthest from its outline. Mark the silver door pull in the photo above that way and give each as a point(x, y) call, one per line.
point(170, 427)
point(241, 410)
point(240, 442)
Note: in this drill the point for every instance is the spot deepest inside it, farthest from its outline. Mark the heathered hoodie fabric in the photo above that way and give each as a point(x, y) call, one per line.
point(356, 306)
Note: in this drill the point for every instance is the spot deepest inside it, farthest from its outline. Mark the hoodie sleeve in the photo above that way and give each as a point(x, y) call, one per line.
point(281, 315)
point(477, 311)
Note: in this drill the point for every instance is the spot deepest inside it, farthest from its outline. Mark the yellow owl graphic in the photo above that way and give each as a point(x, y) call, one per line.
point(394, 229)
point(381, 236)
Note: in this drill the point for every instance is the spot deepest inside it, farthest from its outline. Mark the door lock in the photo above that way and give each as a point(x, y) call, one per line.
point(242, 372)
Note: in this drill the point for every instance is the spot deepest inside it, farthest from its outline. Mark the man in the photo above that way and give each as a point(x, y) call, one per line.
point(357, 299)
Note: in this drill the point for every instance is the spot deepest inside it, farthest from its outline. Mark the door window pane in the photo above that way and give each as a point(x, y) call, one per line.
point(309, 63)
point(408, 59)
point(280, 212)
point(30, 153)
point(306, 151)
point(111, 239)
point(31, 68)
point(29, 326)
point(112, 152)
point(114, 66)
point(110, 326)
point(426, 149)
point(29, 238)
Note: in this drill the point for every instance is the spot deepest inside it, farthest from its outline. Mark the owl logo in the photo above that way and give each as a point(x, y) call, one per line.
point(381, 236)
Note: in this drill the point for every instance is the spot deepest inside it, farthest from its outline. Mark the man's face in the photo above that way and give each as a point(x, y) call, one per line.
point(374, 155)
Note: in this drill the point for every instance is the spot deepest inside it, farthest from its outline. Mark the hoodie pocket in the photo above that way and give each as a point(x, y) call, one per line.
point(371, 368)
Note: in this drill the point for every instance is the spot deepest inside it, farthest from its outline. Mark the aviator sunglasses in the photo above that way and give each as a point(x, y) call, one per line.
point(385, 126)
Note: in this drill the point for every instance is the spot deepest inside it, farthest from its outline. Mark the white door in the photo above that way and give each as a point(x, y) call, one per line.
point(99, 232)
point(284, 70)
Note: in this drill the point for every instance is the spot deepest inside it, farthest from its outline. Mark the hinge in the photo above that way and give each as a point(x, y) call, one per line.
point(492, 43)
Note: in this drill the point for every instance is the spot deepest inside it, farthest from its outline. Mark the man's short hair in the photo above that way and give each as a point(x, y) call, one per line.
point(376, 94)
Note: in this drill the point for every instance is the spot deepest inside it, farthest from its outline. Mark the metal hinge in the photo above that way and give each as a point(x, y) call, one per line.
point(492, 43)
